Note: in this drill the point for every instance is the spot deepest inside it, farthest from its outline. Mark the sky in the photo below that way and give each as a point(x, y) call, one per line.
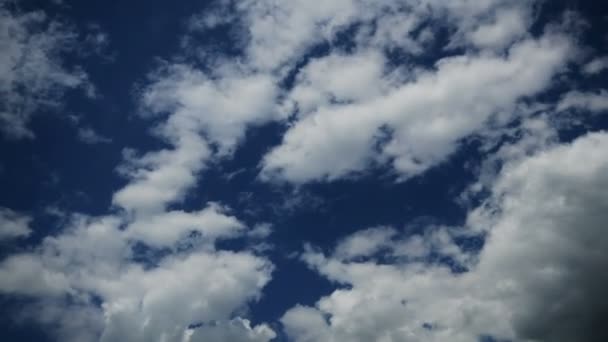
point(307, 171)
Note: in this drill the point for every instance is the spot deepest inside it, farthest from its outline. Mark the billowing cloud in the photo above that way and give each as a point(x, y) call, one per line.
point(538, 277)
point(417, 124)
point(95, 263)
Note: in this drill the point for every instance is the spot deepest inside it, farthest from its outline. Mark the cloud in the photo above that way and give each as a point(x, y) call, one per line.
point(34, 74)
point(147, 272)
point(153, 270)
point(94, 263)
point(162, 177)
point(89, 136)
point(278, 34)
point(596, 65)
point(211, 222)
point(205, 101)
point(594, 101)
point(538, 276)
point(417, 124)
point(13, 225)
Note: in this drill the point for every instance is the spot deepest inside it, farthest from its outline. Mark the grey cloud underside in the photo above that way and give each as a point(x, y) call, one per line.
point(537, 278)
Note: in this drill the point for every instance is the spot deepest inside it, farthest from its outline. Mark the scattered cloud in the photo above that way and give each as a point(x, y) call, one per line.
point(356, 85)
point(34, 75)
point(536, 278)
point(425, 118)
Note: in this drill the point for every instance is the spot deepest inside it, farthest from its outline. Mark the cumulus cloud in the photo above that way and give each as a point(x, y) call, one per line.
point(211, 222)
point(151, 270)
point(148, 272)
point(94, 262)
point(538, 276)
point(34, 75)
point(420, 122)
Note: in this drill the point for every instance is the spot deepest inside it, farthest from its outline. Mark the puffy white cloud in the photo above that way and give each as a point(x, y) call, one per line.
point(153, 272)
point(168, 228)
point(26, 275)
point(161, 304)
point(365, 243)
point(179, 285)
point(34, 76)
point(162, 177)
point(279, 33)
point(13, 225)
point(340, 78)
point(418, 124)
point(205, 120)
point(93, 262)
point(219, 105)
point(538, 277)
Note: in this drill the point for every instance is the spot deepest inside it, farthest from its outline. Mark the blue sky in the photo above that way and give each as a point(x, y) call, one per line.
point(345, 170)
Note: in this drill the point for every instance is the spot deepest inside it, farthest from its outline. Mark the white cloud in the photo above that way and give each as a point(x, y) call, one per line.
point(183, 281)
point(425, 117)
point(34, 76)
point(153, 272)
point(162, 177)
point(281, 32)
point(211, 222)
point(365, 243)
point(162, 303)
point(338, 78)
point(538, 277)
point(95, 258)
point(596, 65)
point(206, 103)
point(26, 275)
point(506, 26)
point(13, 225)
point(595, 102)
point(206, 121)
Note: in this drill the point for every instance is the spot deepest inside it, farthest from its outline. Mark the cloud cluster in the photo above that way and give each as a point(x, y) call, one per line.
point(97, 264)
point(34, 75)
point(425, 118)
point(398, 84)
point(537, 278)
